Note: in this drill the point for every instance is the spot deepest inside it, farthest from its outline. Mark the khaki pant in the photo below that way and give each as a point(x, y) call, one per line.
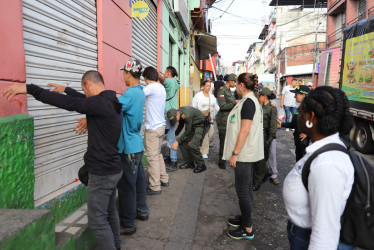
point(204, 149)
point(156, 170)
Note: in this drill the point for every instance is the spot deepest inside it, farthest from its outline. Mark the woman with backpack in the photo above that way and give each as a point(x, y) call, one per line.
point(314, 214)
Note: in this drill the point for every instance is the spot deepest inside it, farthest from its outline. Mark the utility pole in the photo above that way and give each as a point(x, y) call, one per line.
point(315, 48)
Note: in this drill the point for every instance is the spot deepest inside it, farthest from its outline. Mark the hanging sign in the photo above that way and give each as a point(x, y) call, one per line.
point(139, 9)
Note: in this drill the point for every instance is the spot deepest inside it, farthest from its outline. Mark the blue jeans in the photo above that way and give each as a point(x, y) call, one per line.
point(171, 139)
point(287, 110)
point(101, 210)
point(132, 190)
point(299, 238)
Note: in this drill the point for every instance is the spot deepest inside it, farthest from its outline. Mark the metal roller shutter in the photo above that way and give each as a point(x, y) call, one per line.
point(144, 37)
point(60, 45)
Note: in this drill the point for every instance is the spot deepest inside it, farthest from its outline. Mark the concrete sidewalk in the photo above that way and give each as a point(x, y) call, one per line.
point(192, 212)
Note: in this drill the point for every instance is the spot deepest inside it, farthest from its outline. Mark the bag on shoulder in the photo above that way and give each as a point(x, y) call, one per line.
point(357, 221)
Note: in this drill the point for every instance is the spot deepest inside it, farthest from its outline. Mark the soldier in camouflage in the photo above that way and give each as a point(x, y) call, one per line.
point(226, 102)
point(261, 172)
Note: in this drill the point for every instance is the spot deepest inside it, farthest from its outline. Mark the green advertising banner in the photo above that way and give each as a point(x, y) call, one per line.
point(358, 71)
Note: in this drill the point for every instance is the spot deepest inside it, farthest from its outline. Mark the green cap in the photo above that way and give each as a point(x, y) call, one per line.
point(232, 77)
point(268, 93)
point(172, 114)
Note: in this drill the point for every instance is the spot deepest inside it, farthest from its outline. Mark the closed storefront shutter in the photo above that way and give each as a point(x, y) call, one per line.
point(144, 37)
point(60, 45)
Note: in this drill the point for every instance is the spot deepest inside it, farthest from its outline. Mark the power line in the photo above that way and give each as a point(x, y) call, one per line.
point(226, 9)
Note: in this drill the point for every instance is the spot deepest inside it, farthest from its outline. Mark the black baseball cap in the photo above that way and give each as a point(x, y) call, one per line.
point(301, 89)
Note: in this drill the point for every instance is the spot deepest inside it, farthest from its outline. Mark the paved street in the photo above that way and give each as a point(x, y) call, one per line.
point(192, 212)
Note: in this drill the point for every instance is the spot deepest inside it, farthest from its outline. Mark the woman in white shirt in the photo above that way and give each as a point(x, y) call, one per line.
point(314, 215)
point(206, 102)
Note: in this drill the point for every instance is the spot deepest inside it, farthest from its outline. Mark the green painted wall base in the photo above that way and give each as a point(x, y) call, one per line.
point(37, 233)
point(84, 241)
point(17, 161)
point(66, 204)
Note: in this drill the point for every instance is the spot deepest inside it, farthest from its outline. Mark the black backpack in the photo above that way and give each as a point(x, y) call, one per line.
point(357, 221)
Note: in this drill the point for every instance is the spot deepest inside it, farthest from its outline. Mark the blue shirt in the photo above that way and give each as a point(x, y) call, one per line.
point(130, 140)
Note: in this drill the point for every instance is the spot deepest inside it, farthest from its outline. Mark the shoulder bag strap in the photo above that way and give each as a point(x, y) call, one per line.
point(329, 147)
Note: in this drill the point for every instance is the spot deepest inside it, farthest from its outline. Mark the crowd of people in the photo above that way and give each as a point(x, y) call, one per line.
point(247, 125)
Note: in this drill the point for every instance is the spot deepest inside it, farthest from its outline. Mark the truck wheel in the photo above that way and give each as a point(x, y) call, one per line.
point(362, 139)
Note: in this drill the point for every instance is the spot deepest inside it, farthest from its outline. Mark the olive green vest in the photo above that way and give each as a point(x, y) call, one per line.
point(253, 149)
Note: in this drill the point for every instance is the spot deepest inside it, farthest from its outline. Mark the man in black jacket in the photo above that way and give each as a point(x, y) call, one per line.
point(102, 160)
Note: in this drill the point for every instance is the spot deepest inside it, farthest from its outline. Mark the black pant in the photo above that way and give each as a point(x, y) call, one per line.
point(243, 187)
point(222, 135)
point(300, 147)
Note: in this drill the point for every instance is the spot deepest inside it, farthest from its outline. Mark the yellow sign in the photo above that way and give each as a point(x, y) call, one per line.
point(140, 9)
point(358, 72)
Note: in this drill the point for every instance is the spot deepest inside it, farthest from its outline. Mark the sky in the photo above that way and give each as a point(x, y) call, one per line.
point(239, 27)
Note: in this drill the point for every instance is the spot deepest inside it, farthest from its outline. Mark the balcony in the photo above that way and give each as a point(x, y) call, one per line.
point(359, 17)
point(335, 37)
point(336, 7)
point(371, 12)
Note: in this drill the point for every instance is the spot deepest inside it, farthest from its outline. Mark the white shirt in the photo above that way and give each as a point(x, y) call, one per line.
point(155, 95)
point(201, 102)
point(289, 97)
point(329, 183)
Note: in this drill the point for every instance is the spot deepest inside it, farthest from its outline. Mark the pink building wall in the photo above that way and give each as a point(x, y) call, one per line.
point(12, 59)
point(114, 38)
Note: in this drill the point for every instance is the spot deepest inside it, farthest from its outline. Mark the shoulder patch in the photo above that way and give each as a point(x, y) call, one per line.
point(273, 106)
point(221, 87)
point(222, 96)
point(183, 116)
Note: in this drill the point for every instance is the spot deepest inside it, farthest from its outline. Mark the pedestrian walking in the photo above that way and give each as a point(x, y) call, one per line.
point(102, 110)
point(171, 86)
point(314, 215)
point(206, 103)
point(243, 147)
point(288, 101)
point(196, 127)
point(226, 102)
point(300, 139)
point(132, 186)
point(154, 122)
point(269, 111)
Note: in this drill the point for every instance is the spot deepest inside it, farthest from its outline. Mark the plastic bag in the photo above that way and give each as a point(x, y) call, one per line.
point(281, 114)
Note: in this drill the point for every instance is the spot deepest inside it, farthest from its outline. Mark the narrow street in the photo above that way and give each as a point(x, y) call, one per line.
point(192, 212)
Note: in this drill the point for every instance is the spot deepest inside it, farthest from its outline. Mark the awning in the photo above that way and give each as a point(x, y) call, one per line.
point(264, 32)
point(305, 3)
point(207, 44)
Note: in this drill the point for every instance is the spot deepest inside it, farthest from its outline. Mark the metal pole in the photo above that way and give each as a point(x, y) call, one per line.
point(315, 49)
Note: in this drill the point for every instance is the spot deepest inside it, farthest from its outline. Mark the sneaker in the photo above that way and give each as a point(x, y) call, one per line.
point(142, 217)
point(127, 230)
point(172, 167)
point(164, 184)
point(287, 129)
point(152, 192)
point(205, 156)
point(240, 233)
point(235, 222)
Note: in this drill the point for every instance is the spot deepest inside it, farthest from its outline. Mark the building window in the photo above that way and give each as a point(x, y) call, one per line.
point(361, 13)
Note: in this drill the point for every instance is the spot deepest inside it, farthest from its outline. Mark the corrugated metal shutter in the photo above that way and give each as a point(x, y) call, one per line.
point(60, 45)
point(144, 37)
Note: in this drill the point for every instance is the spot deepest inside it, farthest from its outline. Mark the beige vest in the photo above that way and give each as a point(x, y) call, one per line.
point(253, 149)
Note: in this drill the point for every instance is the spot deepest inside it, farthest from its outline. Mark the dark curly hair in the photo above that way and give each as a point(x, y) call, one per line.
point(331, 107)
point(250, 81)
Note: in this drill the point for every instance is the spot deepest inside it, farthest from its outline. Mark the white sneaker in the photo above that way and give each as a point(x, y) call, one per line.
point(205, 156)
point(287, 129)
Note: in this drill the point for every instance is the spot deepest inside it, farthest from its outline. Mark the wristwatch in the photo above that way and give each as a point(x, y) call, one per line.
point(233, 153)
